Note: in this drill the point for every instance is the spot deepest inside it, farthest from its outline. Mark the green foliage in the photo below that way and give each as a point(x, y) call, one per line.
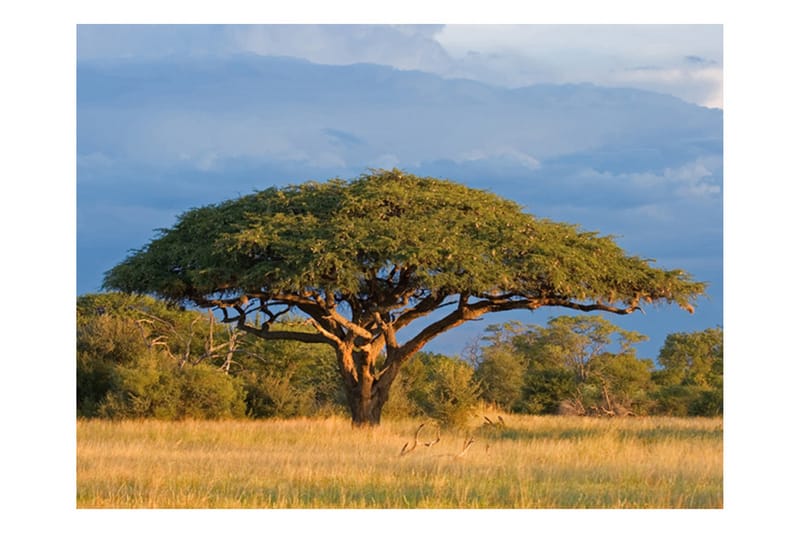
point(569, 359)
point(592, 364)
point(343, 237)
point(437, 387)
point(692, 373)
point(692, 358)
point(206, 392)
point(154, 388)
point(500, 369)
point(620, 380)
point(365, 258)
point(544, 389)
point(501, 375)
point(287, 378)
point(148, 389)
point(403, 402)
point(138, 357)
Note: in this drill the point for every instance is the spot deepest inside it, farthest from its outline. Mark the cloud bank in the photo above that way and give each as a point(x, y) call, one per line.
point(680, 60)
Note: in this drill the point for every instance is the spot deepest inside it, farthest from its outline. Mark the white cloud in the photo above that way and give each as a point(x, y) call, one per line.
point(694, 180)
point(691, 179)
point(579, 42)
point(508, 152)
point(651, 57)
point(699, 84)
point(682, 60)
point(404, 47)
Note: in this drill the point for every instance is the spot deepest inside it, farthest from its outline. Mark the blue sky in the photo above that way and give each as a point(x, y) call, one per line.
point(615, 128)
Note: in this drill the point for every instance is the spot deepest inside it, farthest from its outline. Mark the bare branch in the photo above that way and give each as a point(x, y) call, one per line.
point(406, 449)
point(413, 345)
point(301, 336)
point(423, 308)
point(342, 321)
point(468, 442)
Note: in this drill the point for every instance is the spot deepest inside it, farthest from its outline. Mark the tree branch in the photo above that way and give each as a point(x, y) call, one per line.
point(594, 307)
point(300, 336)
point(412, 346)
point(472, 311)
point(423, 308)
point(497, 304)
point(334, 315)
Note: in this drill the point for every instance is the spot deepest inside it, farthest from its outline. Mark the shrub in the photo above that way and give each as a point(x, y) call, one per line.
point(126, 368)
point(206, 392)
point(501, 375)
point(158, 389)
point(447, 391)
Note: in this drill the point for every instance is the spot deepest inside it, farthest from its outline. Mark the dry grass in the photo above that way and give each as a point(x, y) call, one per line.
point(532, 462)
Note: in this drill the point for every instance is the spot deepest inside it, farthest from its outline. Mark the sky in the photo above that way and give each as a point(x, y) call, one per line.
point(682, 60)
point(39, 214)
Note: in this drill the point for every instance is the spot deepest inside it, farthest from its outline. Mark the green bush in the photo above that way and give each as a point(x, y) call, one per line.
point(157, 389)
point(145, 390)
point(127, 367)
point(707, 403)
point(544, 389)
point(285, 379)
point(274, 395)
point(690, 381)
point(501, 375)
point(207, 392)
point(447, 391)
point(402, 401)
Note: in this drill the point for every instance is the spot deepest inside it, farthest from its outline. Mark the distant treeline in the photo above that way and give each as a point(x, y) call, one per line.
point(138, 357)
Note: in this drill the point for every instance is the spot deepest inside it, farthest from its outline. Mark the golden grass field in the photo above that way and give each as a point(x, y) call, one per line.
point(532, 462)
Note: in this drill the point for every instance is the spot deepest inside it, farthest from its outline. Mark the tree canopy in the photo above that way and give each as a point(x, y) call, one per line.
point(365, 258)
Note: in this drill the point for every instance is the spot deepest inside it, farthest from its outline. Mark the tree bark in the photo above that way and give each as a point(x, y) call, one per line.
point(367, 399)
point(367, 391)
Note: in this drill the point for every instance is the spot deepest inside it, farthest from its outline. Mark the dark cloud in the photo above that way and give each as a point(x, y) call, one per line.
point(699, 61)
point(343, 137)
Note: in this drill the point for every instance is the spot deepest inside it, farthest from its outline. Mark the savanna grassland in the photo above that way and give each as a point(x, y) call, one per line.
point(531, 462)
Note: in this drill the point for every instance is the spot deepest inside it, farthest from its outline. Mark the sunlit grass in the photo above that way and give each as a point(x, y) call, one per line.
point(532, 462)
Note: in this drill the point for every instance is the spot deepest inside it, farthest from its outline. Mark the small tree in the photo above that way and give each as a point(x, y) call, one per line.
point(584, 360)
point(365, 259)
point(623, 382)
point(500, 369)
point(691, 375)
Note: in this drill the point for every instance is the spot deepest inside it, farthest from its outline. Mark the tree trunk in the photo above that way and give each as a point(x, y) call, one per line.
point(367, 390)
point(367, 398)
point(365, 412)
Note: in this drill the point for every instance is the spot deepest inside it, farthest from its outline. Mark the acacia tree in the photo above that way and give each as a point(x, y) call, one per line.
point(365, 259)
